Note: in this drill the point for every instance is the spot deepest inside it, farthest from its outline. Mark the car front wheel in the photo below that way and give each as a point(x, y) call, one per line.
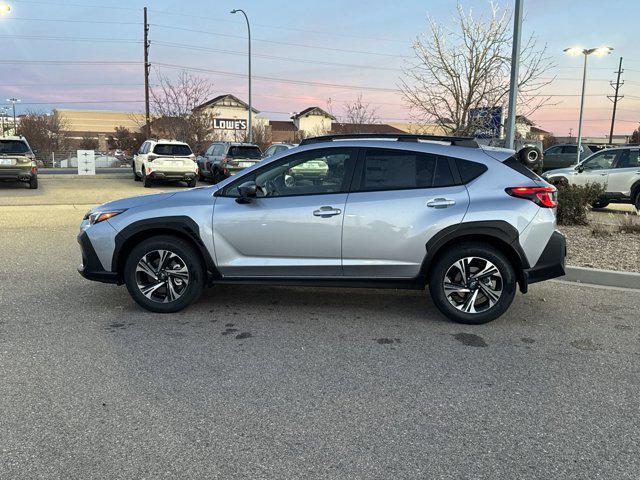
point(164, 274)
point(472, 283)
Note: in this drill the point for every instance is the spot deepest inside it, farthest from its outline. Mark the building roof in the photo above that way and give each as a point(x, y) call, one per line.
point(282, 126)
point(221, 99)
point(364, 128)
point(312, 111)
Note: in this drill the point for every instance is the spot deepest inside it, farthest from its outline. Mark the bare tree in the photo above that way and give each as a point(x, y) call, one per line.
point(45, 133)
point(456, 70)
point(125, 140)
point(174, 106)
point(360, 112)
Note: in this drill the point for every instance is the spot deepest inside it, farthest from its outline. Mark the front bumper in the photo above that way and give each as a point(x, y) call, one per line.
point(91, 268)
point(21, 174)
point(551, 262)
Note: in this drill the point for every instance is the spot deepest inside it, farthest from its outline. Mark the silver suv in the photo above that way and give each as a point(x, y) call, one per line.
point(396, 211)
point(617, 169)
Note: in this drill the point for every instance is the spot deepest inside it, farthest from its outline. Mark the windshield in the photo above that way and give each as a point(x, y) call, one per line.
point(176, 150)
point(13, 147)
point(245, 152)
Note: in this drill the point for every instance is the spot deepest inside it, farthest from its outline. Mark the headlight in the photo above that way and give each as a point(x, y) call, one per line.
point(97, 217)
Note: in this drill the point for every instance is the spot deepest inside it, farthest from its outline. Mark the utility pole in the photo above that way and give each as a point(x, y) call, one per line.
point(147, 66)
point(616, 87)
point(515, 64)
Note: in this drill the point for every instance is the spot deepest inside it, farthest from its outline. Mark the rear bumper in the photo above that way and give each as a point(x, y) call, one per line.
point(21, 174)
point(91, 268)
point(551, 262)
point(186, 176)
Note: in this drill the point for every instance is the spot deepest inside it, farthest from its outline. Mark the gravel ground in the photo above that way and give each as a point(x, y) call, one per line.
point(620, 251)
point(255, 382)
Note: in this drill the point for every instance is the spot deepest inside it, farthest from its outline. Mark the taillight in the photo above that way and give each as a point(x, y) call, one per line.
point(546, 197)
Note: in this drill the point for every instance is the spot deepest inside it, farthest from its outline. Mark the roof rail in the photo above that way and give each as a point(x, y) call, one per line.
point(400, 137)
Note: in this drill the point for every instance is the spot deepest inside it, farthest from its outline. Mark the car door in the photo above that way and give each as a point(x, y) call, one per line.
point(293, 228)
point(625, 173)
point(552, 157)
point(139, 157)
point(399, 200)
point(596, 168)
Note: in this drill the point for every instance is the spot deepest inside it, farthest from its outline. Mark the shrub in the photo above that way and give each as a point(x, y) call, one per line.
point(600, 231)
point(573, 201)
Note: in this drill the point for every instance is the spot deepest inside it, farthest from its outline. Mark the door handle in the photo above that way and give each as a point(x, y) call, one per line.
point(441, 203)
point(326, 212)
point(603, 174)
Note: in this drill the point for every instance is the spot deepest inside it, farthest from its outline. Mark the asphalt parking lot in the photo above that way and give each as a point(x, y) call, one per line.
point(274, 382)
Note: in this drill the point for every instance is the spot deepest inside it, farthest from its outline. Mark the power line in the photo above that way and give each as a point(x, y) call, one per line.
point(72, 39)
point(277, 80)
point(272, 57)
point(275, 42)
point(67, 20)
point(69, 62)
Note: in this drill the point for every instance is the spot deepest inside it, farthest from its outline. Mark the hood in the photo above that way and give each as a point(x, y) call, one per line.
point(559, 171)
point(136, 201)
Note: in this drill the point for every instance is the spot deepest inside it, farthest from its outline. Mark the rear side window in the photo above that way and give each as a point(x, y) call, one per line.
point(470, 170)
point(244, 152)
point(13, 147)
point(172, 149)
point(512, 162)
point(570, 149)
point(399, 170)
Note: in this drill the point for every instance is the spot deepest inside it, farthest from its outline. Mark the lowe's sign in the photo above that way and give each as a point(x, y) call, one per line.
point(229, 124)
point(486, 121)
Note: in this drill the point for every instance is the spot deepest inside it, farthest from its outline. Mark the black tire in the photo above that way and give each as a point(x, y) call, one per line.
point(193, 182)
point(33, 183)
point(599, 204)
point(136, 177)
point(637, 202)
point(186, 253)
point(146, 181)
point(480, 251)
point(529, 156)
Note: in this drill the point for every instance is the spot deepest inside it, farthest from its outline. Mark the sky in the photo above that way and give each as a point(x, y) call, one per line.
point(339, 48)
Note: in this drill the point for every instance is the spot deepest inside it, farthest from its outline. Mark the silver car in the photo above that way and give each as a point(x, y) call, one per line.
point(399, 211)
point(617, 169)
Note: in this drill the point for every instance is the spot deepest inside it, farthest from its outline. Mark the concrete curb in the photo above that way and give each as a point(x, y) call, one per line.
point(607, 278)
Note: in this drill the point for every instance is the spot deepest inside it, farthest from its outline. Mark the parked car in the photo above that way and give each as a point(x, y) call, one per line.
point(388, 213)
point(275, 148)
point(17, 161)
point(564, 155)
point(165, 160)
point(617, 169)
point(224, 159)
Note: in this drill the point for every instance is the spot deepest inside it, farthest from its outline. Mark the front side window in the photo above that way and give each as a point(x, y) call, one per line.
point(553, 150)
point(573, 149)
point(628, 159)
point(316, 172)
point(600, 161)
point(172, 149)
point(400, 170)
point(270, 151)
point(210, 150)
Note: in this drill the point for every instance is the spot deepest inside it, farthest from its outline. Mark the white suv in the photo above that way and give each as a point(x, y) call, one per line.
point(165, 160)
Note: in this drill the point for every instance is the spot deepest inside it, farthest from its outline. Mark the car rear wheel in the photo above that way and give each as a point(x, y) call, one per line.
point(192, 183)
point(33, 183)
point(136, 177)
point(599, 204)
point(164, 274)
point(472, 283)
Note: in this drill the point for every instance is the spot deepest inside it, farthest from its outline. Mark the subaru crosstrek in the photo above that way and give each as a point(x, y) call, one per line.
point(397, 211)
point(17, 161)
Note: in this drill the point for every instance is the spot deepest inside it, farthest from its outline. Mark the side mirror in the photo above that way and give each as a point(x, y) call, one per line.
point(35, 151)
point(580, 168)
point(247, 191)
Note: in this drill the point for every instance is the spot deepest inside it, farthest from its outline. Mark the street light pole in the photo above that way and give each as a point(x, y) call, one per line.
point(599, 51)
point(515, 63)
point(13, 103)
point(250, 128)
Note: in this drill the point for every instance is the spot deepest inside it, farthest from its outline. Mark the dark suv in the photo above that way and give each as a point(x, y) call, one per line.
point(17, 161)
point(224, 159)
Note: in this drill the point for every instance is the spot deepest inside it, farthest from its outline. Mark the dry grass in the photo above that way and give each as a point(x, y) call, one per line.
point(599, 230)
point(629, 224)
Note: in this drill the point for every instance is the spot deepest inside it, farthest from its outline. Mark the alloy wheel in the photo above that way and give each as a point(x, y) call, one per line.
point(473, 284)
point(162, 276)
